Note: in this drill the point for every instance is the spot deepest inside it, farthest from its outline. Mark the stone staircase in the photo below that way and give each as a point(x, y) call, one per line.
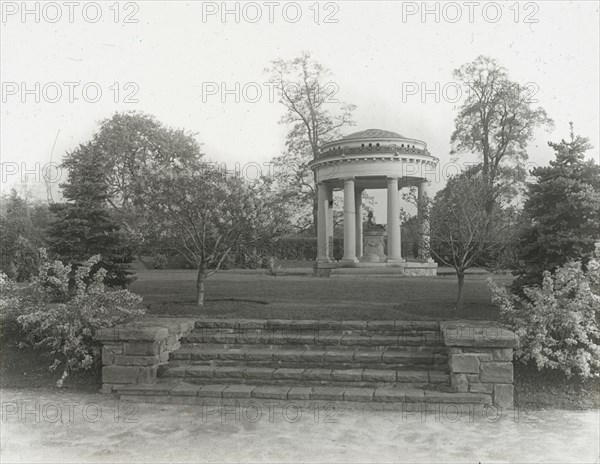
point(375, 362)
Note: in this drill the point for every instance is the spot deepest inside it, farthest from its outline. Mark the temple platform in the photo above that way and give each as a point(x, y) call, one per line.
point(408, 268)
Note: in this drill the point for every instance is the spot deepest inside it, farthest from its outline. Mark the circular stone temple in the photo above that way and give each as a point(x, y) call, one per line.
point(371, 159)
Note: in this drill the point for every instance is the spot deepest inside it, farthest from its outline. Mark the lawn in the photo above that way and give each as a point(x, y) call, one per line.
point(253, 294)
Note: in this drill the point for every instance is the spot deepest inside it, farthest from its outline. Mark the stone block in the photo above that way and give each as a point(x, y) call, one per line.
point(271, 392)
point(383, 340)
point(503, 395)
point(347, 375)
point(381, 325)
point(413, 395)
point(372, 356)
point(459, 382)
point(456, 398)
point(339, 356)
point(204, 372)
point(396, 357)
point(259, 373)
point(178, 372)
point(496, 372)
point(477, 334)
point(162, 388)
point(379, 375)
point(109, 351)
point(212, 391)
point(299, 393)
point(134, 331)
point(485, 356)
point(438, 377)
point(129, 374)
point(504, 354)
point(288, 373)
point(126, 360)
point(229, 372)
point(354, 325)
point(288, 355)
point(359, 394)
point(473, 378)
point(481, 388)
point(389, 395)
point(238, 391)
point(313, 355)
point(328, 393)
point(318, 374)
point(143, 348)
point(464, 363)
point(109, 388)
point(186, 389)
point(412, 376)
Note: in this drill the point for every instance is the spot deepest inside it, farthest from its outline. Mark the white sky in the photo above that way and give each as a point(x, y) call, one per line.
point(371, 51)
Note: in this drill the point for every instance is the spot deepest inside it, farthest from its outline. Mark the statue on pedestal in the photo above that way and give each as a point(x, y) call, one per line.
point(373, 241)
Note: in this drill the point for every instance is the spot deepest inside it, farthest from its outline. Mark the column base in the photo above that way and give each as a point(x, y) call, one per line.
point(348, 262)
point(395, 261)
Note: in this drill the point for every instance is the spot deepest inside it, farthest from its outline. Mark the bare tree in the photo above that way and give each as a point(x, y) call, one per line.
point(315, 116)
point(496, 120)
point(203, 213)
point(464, 228)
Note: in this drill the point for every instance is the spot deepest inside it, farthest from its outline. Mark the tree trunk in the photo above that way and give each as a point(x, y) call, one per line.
point(200, 288)
point(461, 286)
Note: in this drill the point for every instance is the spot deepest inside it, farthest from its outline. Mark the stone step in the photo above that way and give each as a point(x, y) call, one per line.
point(309, 337)
point(295, 364)
point(265, 354)
point(291, 325)
point(303, 376)
point(179, 391)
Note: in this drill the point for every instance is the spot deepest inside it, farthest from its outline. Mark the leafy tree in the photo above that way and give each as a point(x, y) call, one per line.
point(203, 213)
point(22, 227)
point(464, 227)
point(309, 101)
point(84, 225)
point(496, 120)
point(563, 212)
point(124, 144)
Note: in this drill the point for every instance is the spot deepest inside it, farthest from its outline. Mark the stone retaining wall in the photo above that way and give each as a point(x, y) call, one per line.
point(132, 353)
point(480, 356)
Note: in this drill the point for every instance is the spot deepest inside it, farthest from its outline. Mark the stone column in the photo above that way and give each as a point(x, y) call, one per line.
point(423, 195)
point(359, 225)
point(349, 222)
point(322, 239)
point(393, 221)
point(330, 223)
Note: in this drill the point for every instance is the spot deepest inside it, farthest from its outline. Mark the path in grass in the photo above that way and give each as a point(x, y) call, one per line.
point(257, 295)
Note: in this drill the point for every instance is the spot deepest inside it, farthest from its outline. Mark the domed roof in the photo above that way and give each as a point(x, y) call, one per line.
point(373, 134)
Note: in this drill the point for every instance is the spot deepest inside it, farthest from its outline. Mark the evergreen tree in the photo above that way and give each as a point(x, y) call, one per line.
point(563, 211)
point(84, 225)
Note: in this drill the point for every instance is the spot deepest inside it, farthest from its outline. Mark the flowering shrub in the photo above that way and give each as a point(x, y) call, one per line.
point(60, 312)
point(558, 323)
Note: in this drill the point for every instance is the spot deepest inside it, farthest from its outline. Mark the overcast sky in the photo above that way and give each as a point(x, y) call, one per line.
point(378, 54)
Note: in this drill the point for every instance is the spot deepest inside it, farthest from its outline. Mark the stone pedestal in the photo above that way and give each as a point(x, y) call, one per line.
point(480, 356)
point(373, 246)
point(133, 352)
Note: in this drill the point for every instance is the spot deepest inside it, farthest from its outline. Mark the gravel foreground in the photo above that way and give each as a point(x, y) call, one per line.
point(51, 426)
